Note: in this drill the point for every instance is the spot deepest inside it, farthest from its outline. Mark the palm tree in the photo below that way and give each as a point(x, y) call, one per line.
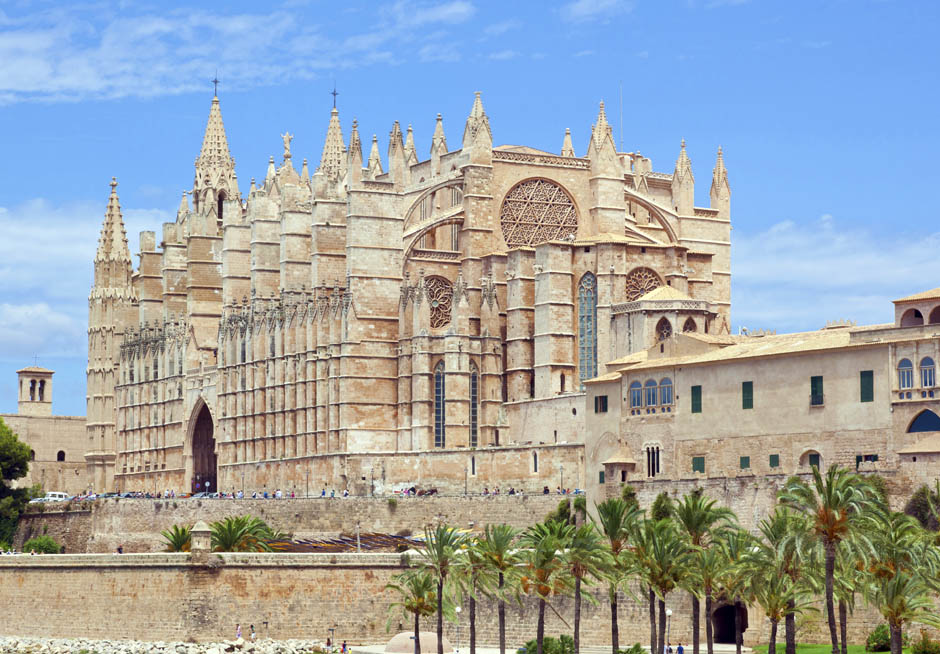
point(544, 566)
point(416, 589)
point(737, 545)
point(700, 518)
point(586, 557)
point(707, 567)
point(441, 546)
point(616, 519)
point(837, 505)
point(667, 560)
point(243, 533)
point(496, 548)
point(178, 538)
point(473, 576)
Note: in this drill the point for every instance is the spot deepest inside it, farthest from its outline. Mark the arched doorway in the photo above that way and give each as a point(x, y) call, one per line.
point(723, 622)
point(204, 460)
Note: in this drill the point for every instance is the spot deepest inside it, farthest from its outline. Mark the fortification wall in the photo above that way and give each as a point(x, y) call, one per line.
point(170, 596)
point(136, 524)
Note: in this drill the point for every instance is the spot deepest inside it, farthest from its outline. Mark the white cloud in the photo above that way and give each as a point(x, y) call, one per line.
point(77, 53)
point(498, 29)
point(37, 329)
point(795, 276)
point(584, 53)
point(589, 10)
point(504, 55)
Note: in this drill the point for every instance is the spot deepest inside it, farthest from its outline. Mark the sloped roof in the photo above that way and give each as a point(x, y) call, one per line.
point(36, 369)
point(522, 148)
point(620, 457)
point(609, 377)
point(664, 293)
point(932, 294)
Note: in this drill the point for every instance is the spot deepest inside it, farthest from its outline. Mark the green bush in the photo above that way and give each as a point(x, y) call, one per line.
point(919, 507)
point(636, 649)
point(924, 645)
point(662, 507)
point(562, 513)
point(392, 503)
point(628, 495)
point(41, 544)
point(561, 645)
point(879, 640)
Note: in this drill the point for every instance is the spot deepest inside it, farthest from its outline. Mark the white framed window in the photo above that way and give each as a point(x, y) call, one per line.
point(905, 373)
point(928, 373)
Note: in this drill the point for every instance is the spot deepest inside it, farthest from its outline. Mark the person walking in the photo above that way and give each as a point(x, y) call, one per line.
point(680, 649)
point(251, 630)
point(238, 631)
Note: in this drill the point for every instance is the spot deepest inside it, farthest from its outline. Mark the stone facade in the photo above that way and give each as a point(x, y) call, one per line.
point(57, 444)
point(407, 312)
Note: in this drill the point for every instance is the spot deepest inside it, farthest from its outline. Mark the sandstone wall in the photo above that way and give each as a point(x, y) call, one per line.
point(102, 525)
point(169, 596)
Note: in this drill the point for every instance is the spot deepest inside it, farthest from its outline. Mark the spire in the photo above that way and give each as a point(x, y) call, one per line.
point(567, 150)
point(683, 184)
point(411, 154)
point(272, 172)
point(478, 125)
point(375, 161)
point(720, 193)
point(602, 151)
point(397, 167)
point(439, 141)
point(215, 167)
point(602, 131)
point(305, 173)
point(354, 160)
point(184, 205)
point(215, 143)
point(112, 244)
point(331, 163)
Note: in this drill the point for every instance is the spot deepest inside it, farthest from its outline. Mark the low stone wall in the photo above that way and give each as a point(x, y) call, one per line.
point(179, 597)
point(136, 524)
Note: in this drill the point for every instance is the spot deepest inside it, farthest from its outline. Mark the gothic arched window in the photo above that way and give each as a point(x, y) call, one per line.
point(474, 405)
point(689, 325)
point(440, 413)
point(535, 211)
point(928, 373)
point(663, 329)
point(905, 373)
point(440, 294)
point(587, 327)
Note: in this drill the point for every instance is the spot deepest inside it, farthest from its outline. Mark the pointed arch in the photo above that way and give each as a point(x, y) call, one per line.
point(926, 420)
point(200, 448)
point(663, 329)
point(440, 405)
point(689, 325)
point(587, 327)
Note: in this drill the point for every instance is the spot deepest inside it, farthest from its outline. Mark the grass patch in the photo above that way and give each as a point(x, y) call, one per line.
point(810, 648)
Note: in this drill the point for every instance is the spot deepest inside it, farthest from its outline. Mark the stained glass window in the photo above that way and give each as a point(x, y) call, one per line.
point(587, 327)
point(439, 405)
point(474, 405)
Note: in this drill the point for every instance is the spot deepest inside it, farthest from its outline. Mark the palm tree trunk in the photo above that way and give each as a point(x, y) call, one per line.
point(577, 616)
point(653, 648)
point(473, 624)
point(614, 625)
point(695, 623)
point(440, 616)
point(772, 646)
point(843, 625)
point(738, 639)
point(501, 613)
point(830, 609)
point(661, 643)
point(709, 635)
point(417, 633)
point(789, 627)
point(896, 638)
point(540, 631)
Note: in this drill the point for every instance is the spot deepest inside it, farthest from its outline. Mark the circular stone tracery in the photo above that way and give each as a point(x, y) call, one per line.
point(640, 282)
point(440, 296)
point(535, 211)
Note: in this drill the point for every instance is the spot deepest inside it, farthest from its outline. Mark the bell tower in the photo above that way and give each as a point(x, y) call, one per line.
point(35, 391)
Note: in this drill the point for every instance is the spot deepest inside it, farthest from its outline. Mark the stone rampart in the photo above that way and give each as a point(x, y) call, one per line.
point(102, 525)
point(172, 597)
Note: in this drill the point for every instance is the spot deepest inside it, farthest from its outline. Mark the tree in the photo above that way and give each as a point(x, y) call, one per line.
point(586, 557)
point(244, 533)
point(472, 575)
point(14, 464)
point(496, 548)
point(440, 551)
point(662, 507)
point(737, 545)
point(417, 597)
point(665, 563)
point(42, 544)
point(707, 567)
point(838, 505)
point(544, 567)
point(178, 538)
point(700, 518)
point(616, 519)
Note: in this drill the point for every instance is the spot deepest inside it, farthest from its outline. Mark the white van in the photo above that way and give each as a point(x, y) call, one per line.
point(53, 496)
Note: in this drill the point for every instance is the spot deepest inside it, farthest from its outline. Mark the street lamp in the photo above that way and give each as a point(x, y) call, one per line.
point(668, 622)
point(457, 650)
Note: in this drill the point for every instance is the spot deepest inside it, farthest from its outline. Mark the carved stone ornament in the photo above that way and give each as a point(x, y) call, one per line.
point(440, 295)
point(536, 211)
point(640, 282)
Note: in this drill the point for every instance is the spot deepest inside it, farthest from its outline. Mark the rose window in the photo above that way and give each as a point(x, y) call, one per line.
point(640, 282)
point(536, 211)
point(440, 297)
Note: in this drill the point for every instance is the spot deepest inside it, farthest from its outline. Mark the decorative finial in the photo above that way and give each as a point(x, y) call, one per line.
point(287, 137)
point(334, 93)
point(113, 183)
point(215, 84)
point(683, 144)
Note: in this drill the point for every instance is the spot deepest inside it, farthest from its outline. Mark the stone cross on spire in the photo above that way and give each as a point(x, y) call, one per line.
point(333, 163)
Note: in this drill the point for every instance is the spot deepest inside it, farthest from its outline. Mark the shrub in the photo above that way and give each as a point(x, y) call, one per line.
point(636, 649)
point(879, 640)
point(392, 503)
point(878, 483)
point(924, 645)
point(918, 507)
point(561, 645)
point(662, 507)
point(628, 495)
point(42, 544)
point(562, 513)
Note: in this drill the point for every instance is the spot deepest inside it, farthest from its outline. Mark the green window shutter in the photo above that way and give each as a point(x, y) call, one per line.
point(866, 380)
point(816, 390)
point(774, 460)
point(696, 399)
point(698, 464)
point(814, 460)
point(858, 459)
point(596, 397)
point(601, 477)
point(747, 395)
point(745, 462)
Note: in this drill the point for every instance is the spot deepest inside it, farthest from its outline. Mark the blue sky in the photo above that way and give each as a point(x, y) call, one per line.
point(826, 111)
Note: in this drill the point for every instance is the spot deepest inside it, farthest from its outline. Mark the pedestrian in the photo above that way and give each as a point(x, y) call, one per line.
point(680, 649)
point(332, 493)
point(344, 649)
point(238, 631)
point(668, 647)
point(120, 549)
point(252, 632)
point(323, 492)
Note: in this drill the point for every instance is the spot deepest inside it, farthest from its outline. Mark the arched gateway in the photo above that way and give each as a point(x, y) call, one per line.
point(203, 454)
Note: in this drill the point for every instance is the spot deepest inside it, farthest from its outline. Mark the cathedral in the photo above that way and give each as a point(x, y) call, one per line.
point(391, 322)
